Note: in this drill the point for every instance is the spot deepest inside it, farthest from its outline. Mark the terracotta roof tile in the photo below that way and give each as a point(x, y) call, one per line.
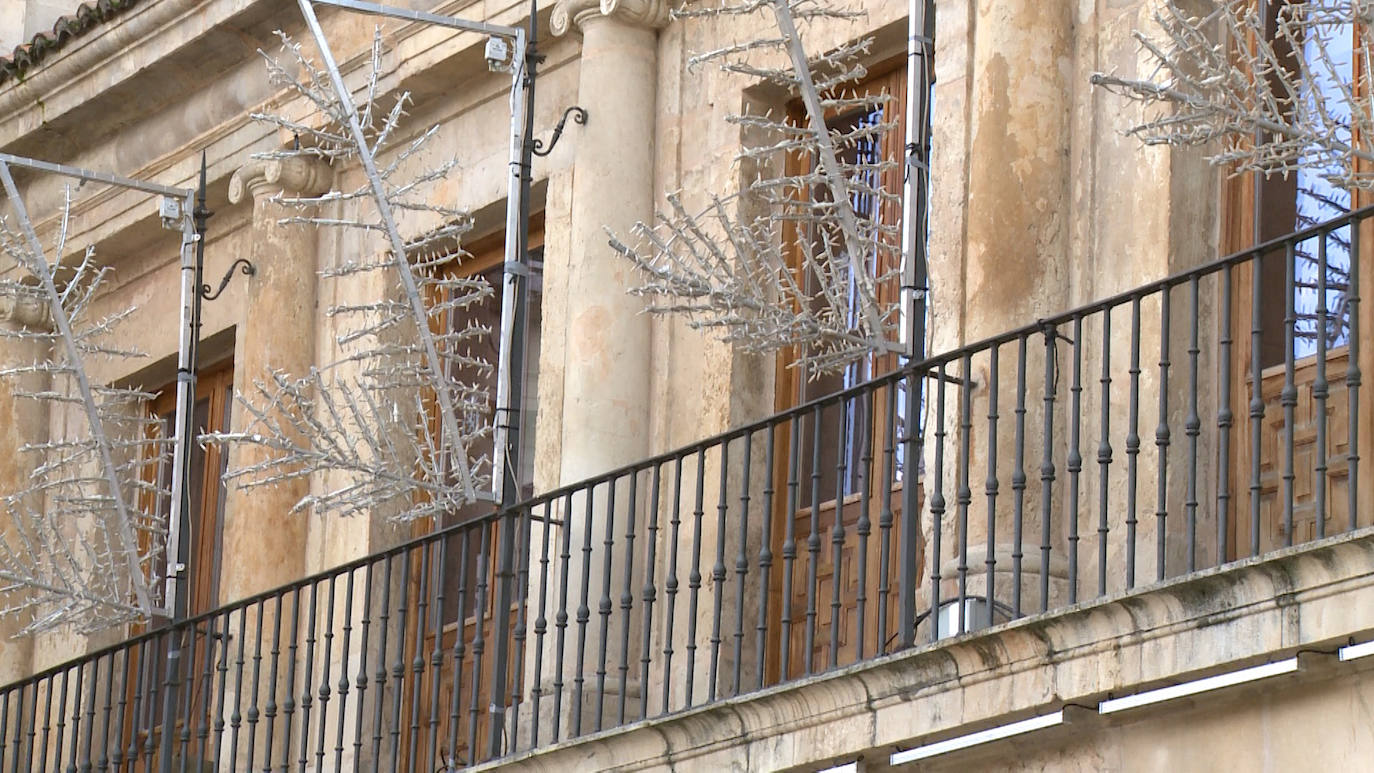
point(87, 17)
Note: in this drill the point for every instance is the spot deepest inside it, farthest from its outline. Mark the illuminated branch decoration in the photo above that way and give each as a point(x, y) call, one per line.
point(731, 271)
point(390, 426)
point(1274, 104)
point(83, 544)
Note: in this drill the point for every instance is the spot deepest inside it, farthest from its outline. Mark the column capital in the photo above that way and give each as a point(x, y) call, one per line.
point(570, 14)
point(17, 312)
point(261, 178)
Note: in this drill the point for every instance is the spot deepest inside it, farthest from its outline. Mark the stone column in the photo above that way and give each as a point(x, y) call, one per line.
point(1016, 271)
point(264, 542)
point(22, 422)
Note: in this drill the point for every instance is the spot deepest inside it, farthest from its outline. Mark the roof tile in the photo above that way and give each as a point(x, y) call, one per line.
point(87, 17)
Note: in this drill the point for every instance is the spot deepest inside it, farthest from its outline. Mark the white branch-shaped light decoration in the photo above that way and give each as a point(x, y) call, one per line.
point(733, 271)
point(1275, 104)
point(390, 427)
point(82, 545)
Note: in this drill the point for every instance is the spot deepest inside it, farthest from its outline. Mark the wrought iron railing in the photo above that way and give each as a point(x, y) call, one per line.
point(1145, 436)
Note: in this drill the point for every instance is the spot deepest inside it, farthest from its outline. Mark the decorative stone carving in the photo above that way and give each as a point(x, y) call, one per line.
point(294, 176)
point(653, 14)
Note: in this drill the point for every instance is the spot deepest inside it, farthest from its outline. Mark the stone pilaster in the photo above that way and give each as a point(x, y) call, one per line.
point(22, 422)
point(276, 332)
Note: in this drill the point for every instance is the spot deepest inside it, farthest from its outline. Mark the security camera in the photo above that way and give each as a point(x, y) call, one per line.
point(498, 54)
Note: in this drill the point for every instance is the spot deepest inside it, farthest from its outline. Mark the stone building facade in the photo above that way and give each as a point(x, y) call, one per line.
point(1039, 205)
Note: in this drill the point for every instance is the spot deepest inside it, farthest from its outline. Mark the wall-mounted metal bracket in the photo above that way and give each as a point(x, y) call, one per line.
point(579, 117)
point(242, 264)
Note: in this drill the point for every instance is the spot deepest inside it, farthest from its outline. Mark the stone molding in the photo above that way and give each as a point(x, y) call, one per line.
point(573, 14)
point(22, 313)
point(293, 176)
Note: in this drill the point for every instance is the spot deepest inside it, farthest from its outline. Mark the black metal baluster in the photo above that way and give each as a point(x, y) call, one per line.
point(417, 661)
point(990, 485)
point(649, 592)
point(1104, 450)
point(541, 625)
point(742, 563)
point(479, 636)
point(863, 526)
point(937, 502)
point(964, 494)
point(670, 584)
point(18, 698)
point(1289, 396)
point(76, 721)
point(360, 681)
point(289, 705)
point(584, 613)
point(518, 638)
point(62, 716)
point(718, 571)
point(694, 577)
point(1256, 401)
point(1047, 471)
point(813, 540)
point(102, 762)
point(1225, 419)
point(47, 716)
point(186, 696)
point(270, 709)
point(789, 544)
point(1353, 375)
point(561, 618)
point(837, 535)
point(627, 598)
point(325, 689)
point(604, 605)
point(765, 559)
point(885, 515)
point(1018, 479)
point(1133, 443)
point(380, 678)
point(307, 677)
point(398, 665)
point(1320, 391)
point(1192, 425)
point(254, 714)
point(1162, 436)
point(436, 652)
point(343, 686)
point(460, 650)
point(1073, 463)
point(4, 723)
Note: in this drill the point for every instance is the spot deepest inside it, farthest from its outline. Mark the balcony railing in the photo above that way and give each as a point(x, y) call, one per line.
point(1152, 434)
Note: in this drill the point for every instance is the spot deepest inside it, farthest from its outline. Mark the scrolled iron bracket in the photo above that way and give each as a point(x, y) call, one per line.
point(579, 117)
point(243, 265)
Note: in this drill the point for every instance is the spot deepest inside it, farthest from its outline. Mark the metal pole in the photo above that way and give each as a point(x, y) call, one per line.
point(920, 84)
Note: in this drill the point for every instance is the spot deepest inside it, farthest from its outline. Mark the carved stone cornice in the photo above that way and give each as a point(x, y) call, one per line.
point(21, 312)
point(293, 176)
point(570, 14)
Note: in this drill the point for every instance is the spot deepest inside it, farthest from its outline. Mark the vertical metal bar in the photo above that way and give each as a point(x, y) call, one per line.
point(436, 652)
point(541, 624)
point(77, 697)
point(1018, 479)
point(90, 719)
point(1225, 420)
point(460, 648)
point(1133, 444)
point(254, 714)
point(1192, 426)
point(479, 640)
point(398, 664)
point(518, 638)
point(937, 506)
point(863, 526)
point(813, 541)
point(908, 559)
point(789, 544)
point(561, 617)
point(742, 562)
point(102, 762)
point(765, 559)
point(18, 725)
point(1320, 391)
point(1289, 396)
point(670, 584)
point(417, 662)
point(380, 677)
point(1047, 471)
point(62, 713)
point(289, 705)
point(49, 683)
point(1353, 375)
point(885, 516)
point(1073, 462)
point(360, 681)
point(718, 570)
point(964, 495)
point(307, 677)
point(990, 486)
point(649, 592)
point(1256, 401)
point(694, 577)
point(604, 606)
point(584, 612)
point(1162, 437)
point(627, 598)
point(343, 686)
point(1104, 448)
point(837, 535)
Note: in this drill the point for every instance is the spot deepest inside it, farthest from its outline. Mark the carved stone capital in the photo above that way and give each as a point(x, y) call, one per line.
point(23, 312)
point(570, 14)
point(293, 176)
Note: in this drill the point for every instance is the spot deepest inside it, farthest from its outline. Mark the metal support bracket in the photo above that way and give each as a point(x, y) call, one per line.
point(244, 265)
point(579, 117)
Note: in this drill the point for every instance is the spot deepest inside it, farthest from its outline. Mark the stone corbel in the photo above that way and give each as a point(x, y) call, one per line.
point(295, 176)
point(17, 313)
point(572, 14)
